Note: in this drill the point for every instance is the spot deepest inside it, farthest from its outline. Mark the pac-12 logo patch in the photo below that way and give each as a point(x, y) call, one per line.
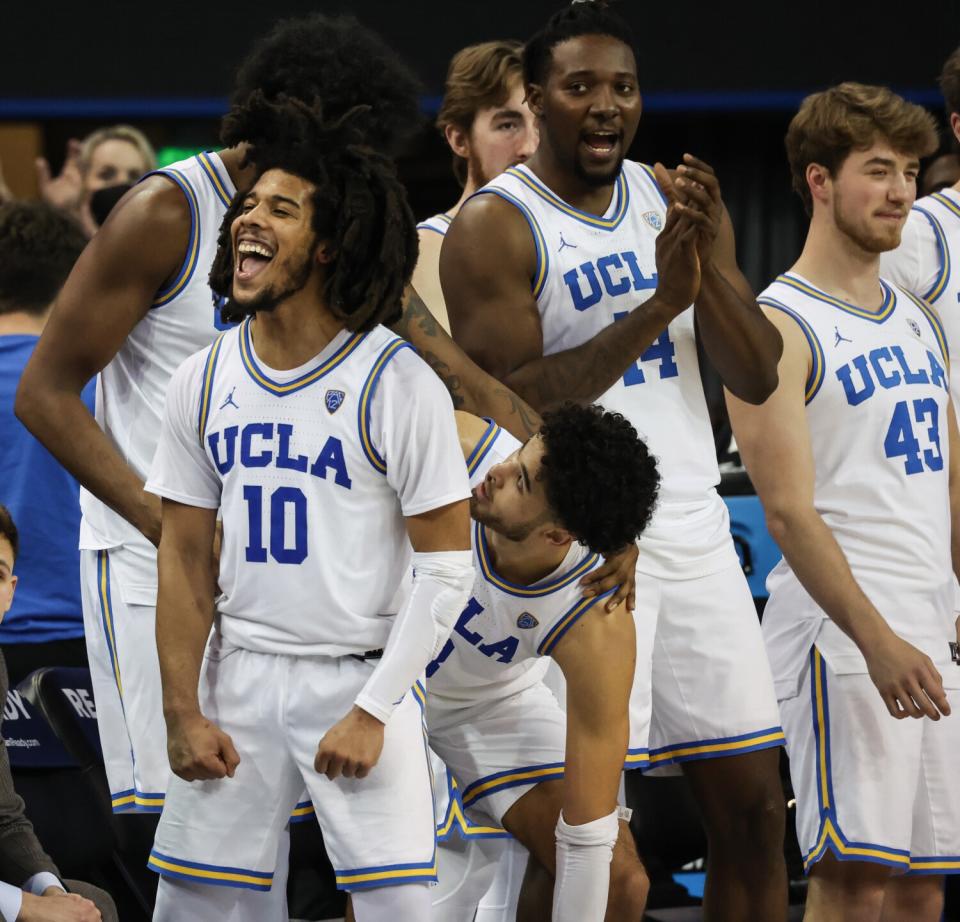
point(654, 219)
point(914, 326)
point(527, 621)
point(333, 400)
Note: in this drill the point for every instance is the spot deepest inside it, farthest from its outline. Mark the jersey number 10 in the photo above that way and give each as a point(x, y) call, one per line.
point(280, 500)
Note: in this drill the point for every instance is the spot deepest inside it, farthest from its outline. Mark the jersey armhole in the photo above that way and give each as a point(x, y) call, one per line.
point(206, 387)
point(943, 258)
point(364, 410)
point(567, 620)
point(815, 377)
point(166, 294)
point(653, 179)
point(539, 279)
point(483, 446)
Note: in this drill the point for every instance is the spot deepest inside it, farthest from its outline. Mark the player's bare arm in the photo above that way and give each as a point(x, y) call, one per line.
point(486, 264)
point(598, 701)
point(742, 344)
point(775, 446)
point(352, 746)
point(197, 748)
point(111, 288)
point(471, 388)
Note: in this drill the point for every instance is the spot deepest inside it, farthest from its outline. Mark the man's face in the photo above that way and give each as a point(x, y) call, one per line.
point(8, 582)
point(114, 163)
point(590, 105)
point(501, 137)
point(274, 244)
point(511, 498)
point(871, 196)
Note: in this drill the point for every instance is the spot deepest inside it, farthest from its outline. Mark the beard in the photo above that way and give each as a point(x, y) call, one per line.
point(596, 180)
point(868, 240)
point(271, 297)
point(476, 171)
point(516, 532)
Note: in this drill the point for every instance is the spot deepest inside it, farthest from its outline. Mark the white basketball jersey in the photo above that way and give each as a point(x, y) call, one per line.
point(876, 404)
point(927, 263)
point(132, 388)
point(314, 470)
point(439, 224)
point(592, 271)
point(498, 644)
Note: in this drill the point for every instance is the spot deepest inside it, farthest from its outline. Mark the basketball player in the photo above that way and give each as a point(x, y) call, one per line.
point(146, 272)
point(485, 121)
point(857, 461)
point(543, 510)
point(318, 496)
point(578, 255)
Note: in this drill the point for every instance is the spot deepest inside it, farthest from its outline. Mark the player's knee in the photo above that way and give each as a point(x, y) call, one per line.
point(753, 828)
point(629, 888)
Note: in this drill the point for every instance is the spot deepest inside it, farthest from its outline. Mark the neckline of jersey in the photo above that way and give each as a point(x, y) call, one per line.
point(549, 584)
point(611, 218)
point(332, 355)
point(794, 280)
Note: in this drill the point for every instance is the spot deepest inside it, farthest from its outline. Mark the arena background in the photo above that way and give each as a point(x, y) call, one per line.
point(719, 80)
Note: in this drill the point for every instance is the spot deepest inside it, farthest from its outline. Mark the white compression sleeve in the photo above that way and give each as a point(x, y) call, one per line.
point(584, 854)
point(441, 587)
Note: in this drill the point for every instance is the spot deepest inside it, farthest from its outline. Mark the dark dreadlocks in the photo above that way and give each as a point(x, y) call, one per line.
point(359, 204)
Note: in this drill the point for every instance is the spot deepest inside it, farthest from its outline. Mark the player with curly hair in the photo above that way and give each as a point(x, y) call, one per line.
point(544, 511)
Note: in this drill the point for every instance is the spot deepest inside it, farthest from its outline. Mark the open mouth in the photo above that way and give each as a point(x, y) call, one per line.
point(252, 258)
point(600, 144)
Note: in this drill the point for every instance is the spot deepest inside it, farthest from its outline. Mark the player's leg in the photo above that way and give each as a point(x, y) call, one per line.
point(913, 899)
point(222, 846)
point(533, 821)
point(846, 891)
point(379, 831)
point(715, 714)
point(854, 823)
point(499, 903)
point(742, 805)
point(465, 871)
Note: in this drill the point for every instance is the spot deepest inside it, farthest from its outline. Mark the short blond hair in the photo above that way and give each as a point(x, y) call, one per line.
point(849, 117)
point(117, 133)
point(479, 76)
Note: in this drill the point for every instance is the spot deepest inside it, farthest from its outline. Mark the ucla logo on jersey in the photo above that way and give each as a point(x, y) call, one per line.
point(527, 621)
point(654, 219)
point(333, 400)
point(616, 274)
point(914, 326)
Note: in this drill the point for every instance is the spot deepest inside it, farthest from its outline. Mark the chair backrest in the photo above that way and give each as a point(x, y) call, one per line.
point(64, 697)
point(758, 552)
point(31, 742)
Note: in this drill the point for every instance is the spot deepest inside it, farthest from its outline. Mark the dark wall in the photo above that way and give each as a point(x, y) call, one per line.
point(108, 48)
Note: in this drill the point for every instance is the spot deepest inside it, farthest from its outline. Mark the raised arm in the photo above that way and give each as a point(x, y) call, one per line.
point(742, 344)
point(111, 288)
point(486, 265)
point(598, 729)
point(197, 748)
point(775, 445)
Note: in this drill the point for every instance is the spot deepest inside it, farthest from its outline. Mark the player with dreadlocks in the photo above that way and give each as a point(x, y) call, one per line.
point(326, 444)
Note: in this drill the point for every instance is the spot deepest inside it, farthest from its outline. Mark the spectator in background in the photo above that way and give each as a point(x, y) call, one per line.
point(941, 172)
point(115, 156)
point(45, 625)
point(30, 886)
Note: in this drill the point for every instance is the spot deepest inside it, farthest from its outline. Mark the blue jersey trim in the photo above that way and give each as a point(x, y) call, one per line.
point(943, 257)
point(209, 374)
point(768, 738)
point(387, 875)
point(886, 307)
point(935, 325)
point(621, 200)
point(511, 778)
point(568, 620)
point(189, 265)
point(483, 446)
point(818, 363)
point(168, 866)
point(305, 380)
point(542, 268)
point(213, 175)
point(653, 179)
point(486, 568)
point(366, 402)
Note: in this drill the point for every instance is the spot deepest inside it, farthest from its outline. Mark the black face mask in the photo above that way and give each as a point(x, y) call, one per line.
point(103, 200)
